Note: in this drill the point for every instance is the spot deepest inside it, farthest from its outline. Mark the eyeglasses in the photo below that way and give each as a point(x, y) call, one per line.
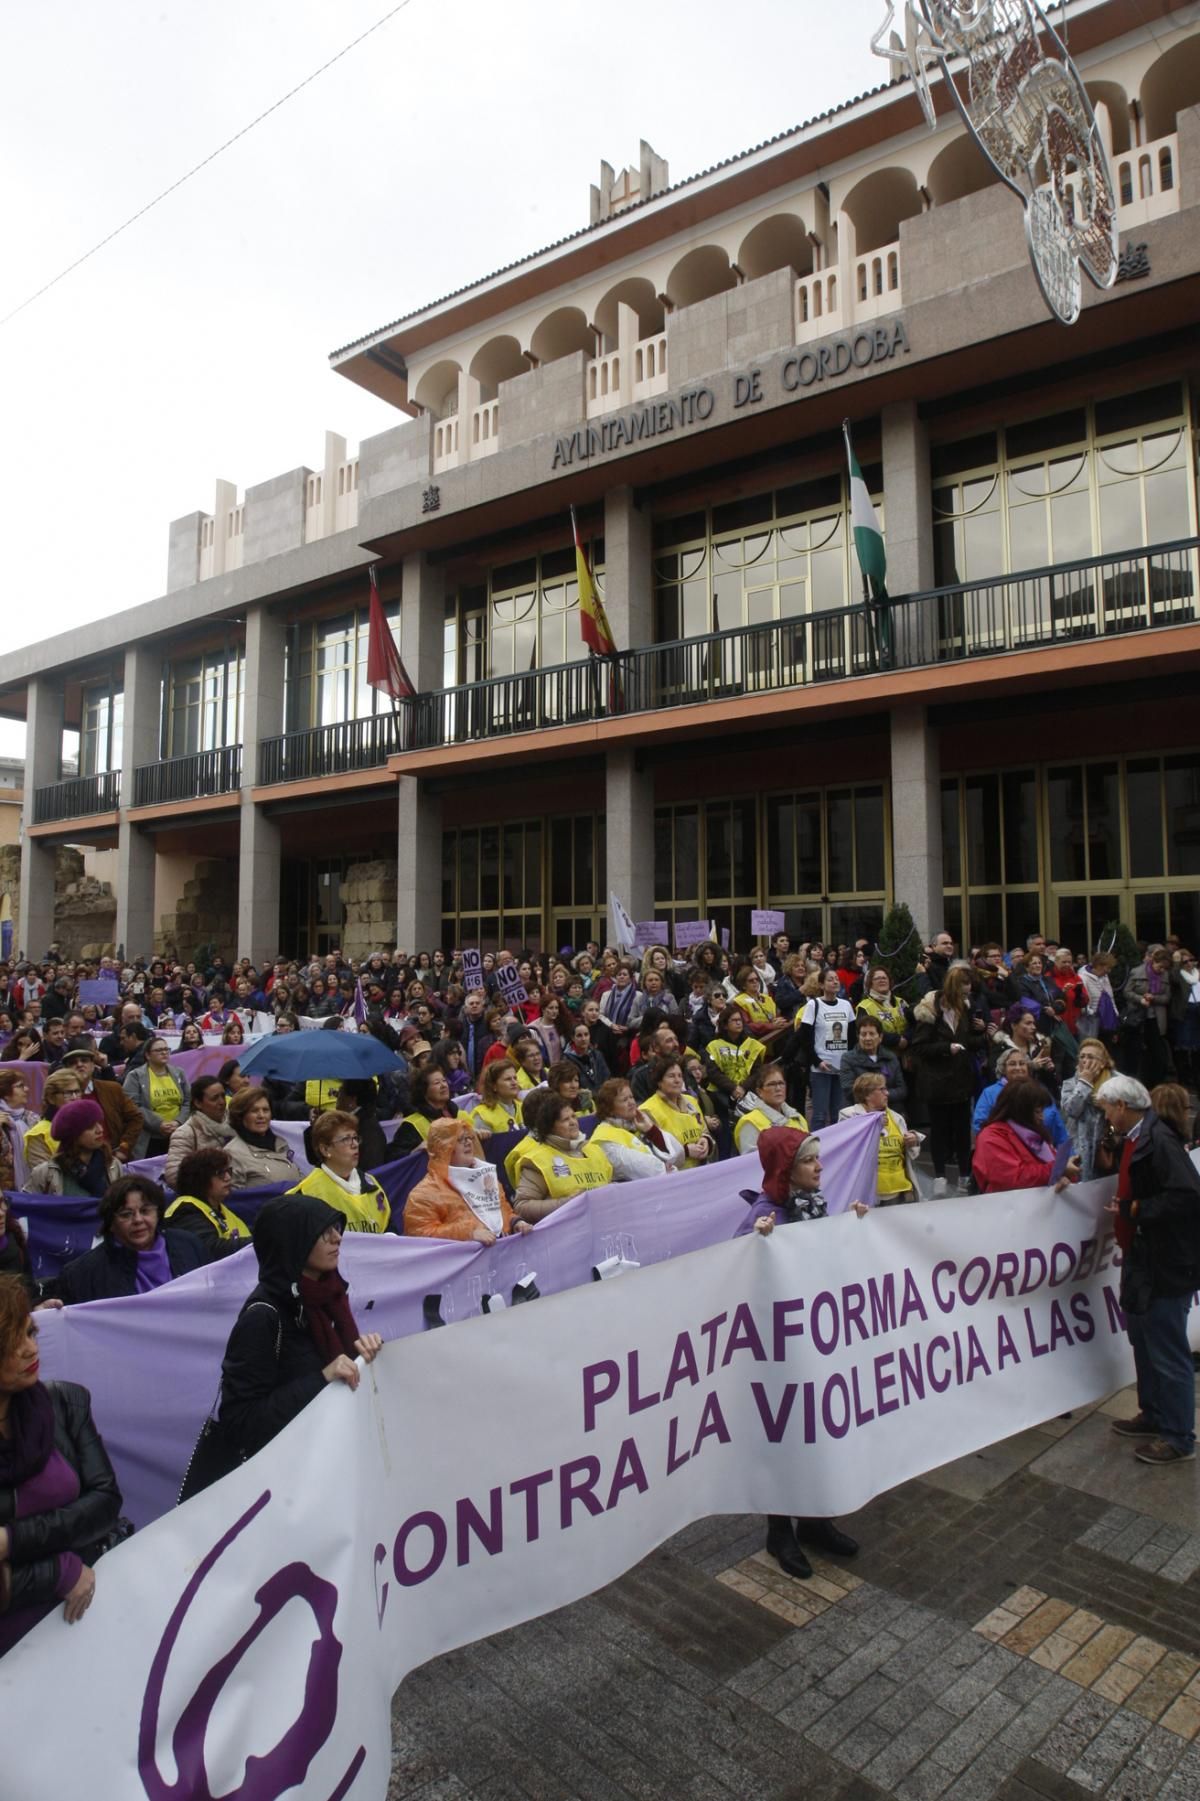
point(127, 1214)
point(346, 1138)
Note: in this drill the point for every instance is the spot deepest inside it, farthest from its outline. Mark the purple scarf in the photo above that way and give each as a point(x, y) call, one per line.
point(153, 1267)
point(31, 1425)
point(620, 1003)
point(1033, 1141)
point(1155, 983)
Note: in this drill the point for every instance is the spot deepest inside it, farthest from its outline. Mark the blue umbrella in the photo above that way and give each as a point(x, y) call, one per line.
point(305, 1056)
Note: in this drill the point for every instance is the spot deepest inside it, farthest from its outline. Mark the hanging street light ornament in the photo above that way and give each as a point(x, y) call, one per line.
point(1024, 103)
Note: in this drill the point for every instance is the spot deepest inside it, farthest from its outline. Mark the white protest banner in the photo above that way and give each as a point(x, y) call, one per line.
point(691, 931)
point(648, 932)
point(472, 969)
point(623, 927)
point(764, 921)
point(801, 1373)
point(509, 983)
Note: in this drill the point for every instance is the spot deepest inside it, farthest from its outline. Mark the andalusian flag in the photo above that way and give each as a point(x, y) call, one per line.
point(593, 620)
point(868, 539)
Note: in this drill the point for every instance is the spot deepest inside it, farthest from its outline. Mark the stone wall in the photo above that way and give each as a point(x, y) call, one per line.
point(205, 917)
point(85, 910)
point(369, 894)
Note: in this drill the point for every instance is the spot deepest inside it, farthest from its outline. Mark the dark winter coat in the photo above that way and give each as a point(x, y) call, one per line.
point(38, 1538)
point(110, 1270)
point(1164, 1205)
point(944, 1076)
point(272, 1368)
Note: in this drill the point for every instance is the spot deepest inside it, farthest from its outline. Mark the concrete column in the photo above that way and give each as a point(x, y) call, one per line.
point(135, 847)
point(628, 571)
point(908, 506)
point(43, 765)
point(917, 819)
point(422, 624)
point(418, 866)
point(259, 835)
point(629, 833)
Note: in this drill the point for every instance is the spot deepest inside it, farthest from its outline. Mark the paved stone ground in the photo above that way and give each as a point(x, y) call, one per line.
point(1008, 1633)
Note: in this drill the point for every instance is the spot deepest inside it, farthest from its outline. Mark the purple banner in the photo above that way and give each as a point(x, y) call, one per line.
point(100, 993)
point(692, 931)
point(179, 1332)
point(650, 931)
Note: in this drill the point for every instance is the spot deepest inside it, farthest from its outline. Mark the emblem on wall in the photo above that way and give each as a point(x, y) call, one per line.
point(1023, 101)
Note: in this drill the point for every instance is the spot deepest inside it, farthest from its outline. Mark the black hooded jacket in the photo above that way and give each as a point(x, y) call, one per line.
point(272, 1368)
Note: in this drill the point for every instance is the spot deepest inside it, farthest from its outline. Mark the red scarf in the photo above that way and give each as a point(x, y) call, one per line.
point(327, 1311)
point(1123, 1224)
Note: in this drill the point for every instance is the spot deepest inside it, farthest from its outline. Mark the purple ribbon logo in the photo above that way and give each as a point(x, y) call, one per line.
point(286, 1765)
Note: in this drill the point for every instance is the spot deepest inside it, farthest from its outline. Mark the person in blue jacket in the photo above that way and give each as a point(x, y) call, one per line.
point(1013, 1066)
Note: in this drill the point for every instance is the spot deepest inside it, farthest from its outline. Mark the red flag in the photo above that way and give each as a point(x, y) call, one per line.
point(384, 668)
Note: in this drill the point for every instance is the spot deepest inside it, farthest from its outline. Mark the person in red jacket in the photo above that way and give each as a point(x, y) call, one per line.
point(1014, 1149)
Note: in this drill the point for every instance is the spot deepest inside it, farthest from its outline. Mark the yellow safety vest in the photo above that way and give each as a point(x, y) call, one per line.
point(893, 1175)
point(565, 1175)
point(524, 1079)
point(735, 1061)
point(497, 1118)
point(323, 1094)
point(608, 1132)
point(370, 1211)
point(890, 1016)
point(756, 1117)
point(42, 1130)
point(420, 1122)
point(760, 1008)
point(687, 1125)
point(225, 1224)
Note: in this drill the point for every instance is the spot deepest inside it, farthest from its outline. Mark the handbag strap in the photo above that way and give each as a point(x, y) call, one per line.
point(215, 1408)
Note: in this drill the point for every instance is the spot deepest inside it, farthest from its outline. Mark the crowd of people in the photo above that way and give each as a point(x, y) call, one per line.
point(1025, 1068)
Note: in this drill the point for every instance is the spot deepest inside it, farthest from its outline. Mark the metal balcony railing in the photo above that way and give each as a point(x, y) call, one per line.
point(78, 796)
point(333, 749)
point(194, 777)
point(1098, 597)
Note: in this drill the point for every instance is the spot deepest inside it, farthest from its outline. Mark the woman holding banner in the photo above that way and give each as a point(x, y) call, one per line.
point(295, 1332)
point(677, 1112)
point(1014, 1149)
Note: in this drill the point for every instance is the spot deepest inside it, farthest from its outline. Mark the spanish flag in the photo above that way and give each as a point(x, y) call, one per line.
point(593, 620)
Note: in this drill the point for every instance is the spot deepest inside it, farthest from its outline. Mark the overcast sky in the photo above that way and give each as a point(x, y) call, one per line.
point(457, 138)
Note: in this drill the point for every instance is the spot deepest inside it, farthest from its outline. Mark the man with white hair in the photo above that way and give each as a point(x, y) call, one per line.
point(1158, 1229)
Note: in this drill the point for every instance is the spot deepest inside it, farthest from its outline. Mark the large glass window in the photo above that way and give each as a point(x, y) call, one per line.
point(205, 694)
point(1066, 847)
point(102, 718)
point(330, 684)
point(497, 894)
point(820, 856)
point(771, 556)
point(1091, 481)
point(525, 617)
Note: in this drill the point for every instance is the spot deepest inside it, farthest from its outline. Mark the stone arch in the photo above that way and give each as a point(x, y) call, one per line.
point(699, 275)
point(1115, 101)
point(498, 360)
point(1170, 85)
point(780, 242)
point(561, 333)
point(437, 390)
point(958, 169)
point(637, 292)
point(878, 204)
